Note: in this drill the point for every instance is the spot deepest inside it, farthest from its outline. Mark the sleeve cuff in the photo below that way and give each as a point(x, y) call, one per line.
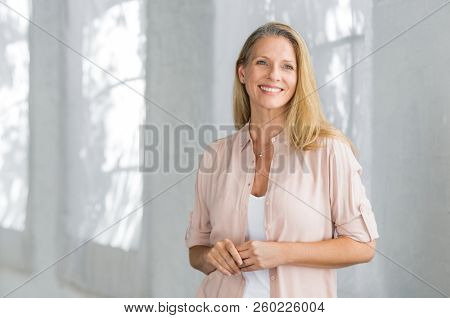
point(194, 237)
point(363, 228)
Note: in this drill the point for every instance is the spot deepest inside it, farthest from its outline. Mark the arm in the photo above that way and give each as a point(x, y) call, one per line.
point(197, 259)
point(332, 253)
point(352, 218)
point(223, 256)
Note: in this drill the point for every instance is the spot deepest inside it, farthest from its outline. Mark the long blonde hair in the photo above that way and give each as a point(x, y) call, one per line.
point(305, 120)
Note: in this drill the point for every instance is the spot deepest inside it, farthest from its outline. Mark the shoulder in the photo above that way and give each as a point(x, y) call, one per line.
point(336, 145)
point(217, 149)
point(219, 145)
point(339, 152)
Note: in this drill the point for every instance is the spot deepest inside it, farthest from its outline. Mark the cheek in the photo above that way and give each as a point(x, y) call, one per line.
point(293, 80)
point(252, 89)
point(292, 84)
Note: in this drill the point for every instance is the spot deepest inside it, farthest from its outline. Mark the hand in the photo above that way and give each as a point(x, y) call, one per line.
point(224, 257)
point(259, 255)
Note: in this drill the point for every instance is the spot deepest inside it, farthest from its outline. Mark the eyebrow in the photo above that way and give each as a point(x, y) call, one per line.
point(269, 59)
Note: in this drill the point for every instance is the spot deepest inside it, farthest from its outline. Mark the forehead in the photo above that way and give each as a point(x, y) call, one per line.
point(274, 48)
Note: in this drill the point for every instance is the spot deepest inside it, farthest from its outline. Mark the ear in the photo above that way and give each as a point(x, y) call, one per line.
point(241, 73)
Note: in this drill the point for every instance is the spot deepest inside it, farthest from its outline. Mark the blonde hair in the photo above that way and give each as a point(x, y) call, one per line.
point(305, 120)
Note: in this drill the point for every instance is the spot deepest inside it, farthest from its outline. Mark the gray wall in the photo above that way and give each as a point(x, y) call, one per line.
point(399, 102)
point(411, 148)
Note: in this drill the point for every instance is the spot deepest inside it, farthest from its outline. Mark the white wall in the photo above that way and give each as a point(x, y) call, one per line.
point(46, 168)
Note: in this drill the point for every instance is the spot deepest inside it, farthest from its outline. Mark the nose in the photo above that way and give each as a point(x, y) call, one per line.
point(274, 73)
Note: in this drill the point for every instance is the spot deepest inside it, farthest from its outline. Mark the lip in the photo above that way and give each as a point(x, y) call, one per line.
point(270, 86)
point(270, 93)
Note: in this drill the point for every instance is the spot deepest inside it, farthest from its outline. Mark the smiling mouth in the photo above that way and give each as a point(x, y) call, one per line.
point(272, 90)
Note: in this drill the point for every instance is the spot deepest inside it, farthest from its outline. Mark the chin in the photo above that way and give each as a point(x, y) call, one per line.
point(272, 106)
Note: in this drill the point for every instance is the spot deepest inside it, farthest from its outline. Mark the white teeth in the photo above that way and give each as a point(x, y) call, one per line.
point(269, 89)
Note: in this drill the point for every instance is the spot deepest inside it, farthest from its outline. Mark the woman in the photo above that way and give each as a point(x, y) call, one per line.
point(279, 204)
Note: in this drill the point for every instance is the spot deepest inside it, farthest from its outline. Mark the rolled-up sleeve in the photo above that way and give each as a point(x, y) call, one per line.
point(351, 210)
point(199, 226)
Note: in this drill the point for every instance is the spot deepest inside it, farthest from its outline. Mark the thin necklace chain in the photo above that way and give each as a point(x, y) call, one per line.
point(260, 154)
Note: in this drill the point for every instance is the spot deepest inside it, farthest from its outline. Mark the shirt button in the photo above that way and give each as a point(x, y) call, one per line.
point(248, 184)
point(272, 277)
point(273, 139)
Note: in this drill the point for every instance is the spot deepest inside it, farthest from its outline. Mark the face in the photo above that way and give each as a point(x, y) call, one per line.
point(270, 75)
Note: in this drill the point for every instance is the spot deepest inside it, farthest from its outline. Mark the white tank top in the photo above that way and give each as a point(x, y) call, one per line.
point(257, 282)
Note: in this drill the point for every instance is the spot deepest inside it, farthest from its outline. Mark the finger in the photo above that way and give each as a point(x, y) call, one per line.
point(245, 254)
point(242, 247)
point(234, 253)
point(221, 260)
point(247, 262)
point(228, 262)
point(222, 269)
point(249, 268)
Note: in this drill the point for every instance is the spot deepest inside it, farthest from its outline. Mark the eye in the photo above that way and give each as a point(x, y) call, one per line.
point(257, 62)
point(289, 67)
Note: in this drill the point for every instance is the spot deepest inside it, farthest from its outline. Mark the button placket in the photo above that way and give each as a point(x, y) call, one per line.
point(249, 181)
point(250, 175)
point(273, 283)
point(267, 211)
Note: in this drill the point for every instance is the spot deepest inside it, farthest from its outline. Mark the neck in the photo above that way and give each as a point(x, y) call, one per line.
point(265, 124)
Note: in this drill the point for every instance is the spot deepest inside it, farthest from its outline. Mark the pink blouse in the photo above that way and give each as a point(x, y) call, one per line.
point(312, 196)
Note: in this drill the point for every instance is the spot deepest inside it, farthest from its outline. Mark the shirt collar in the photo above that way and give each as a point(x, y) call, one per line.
point(244, 136)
